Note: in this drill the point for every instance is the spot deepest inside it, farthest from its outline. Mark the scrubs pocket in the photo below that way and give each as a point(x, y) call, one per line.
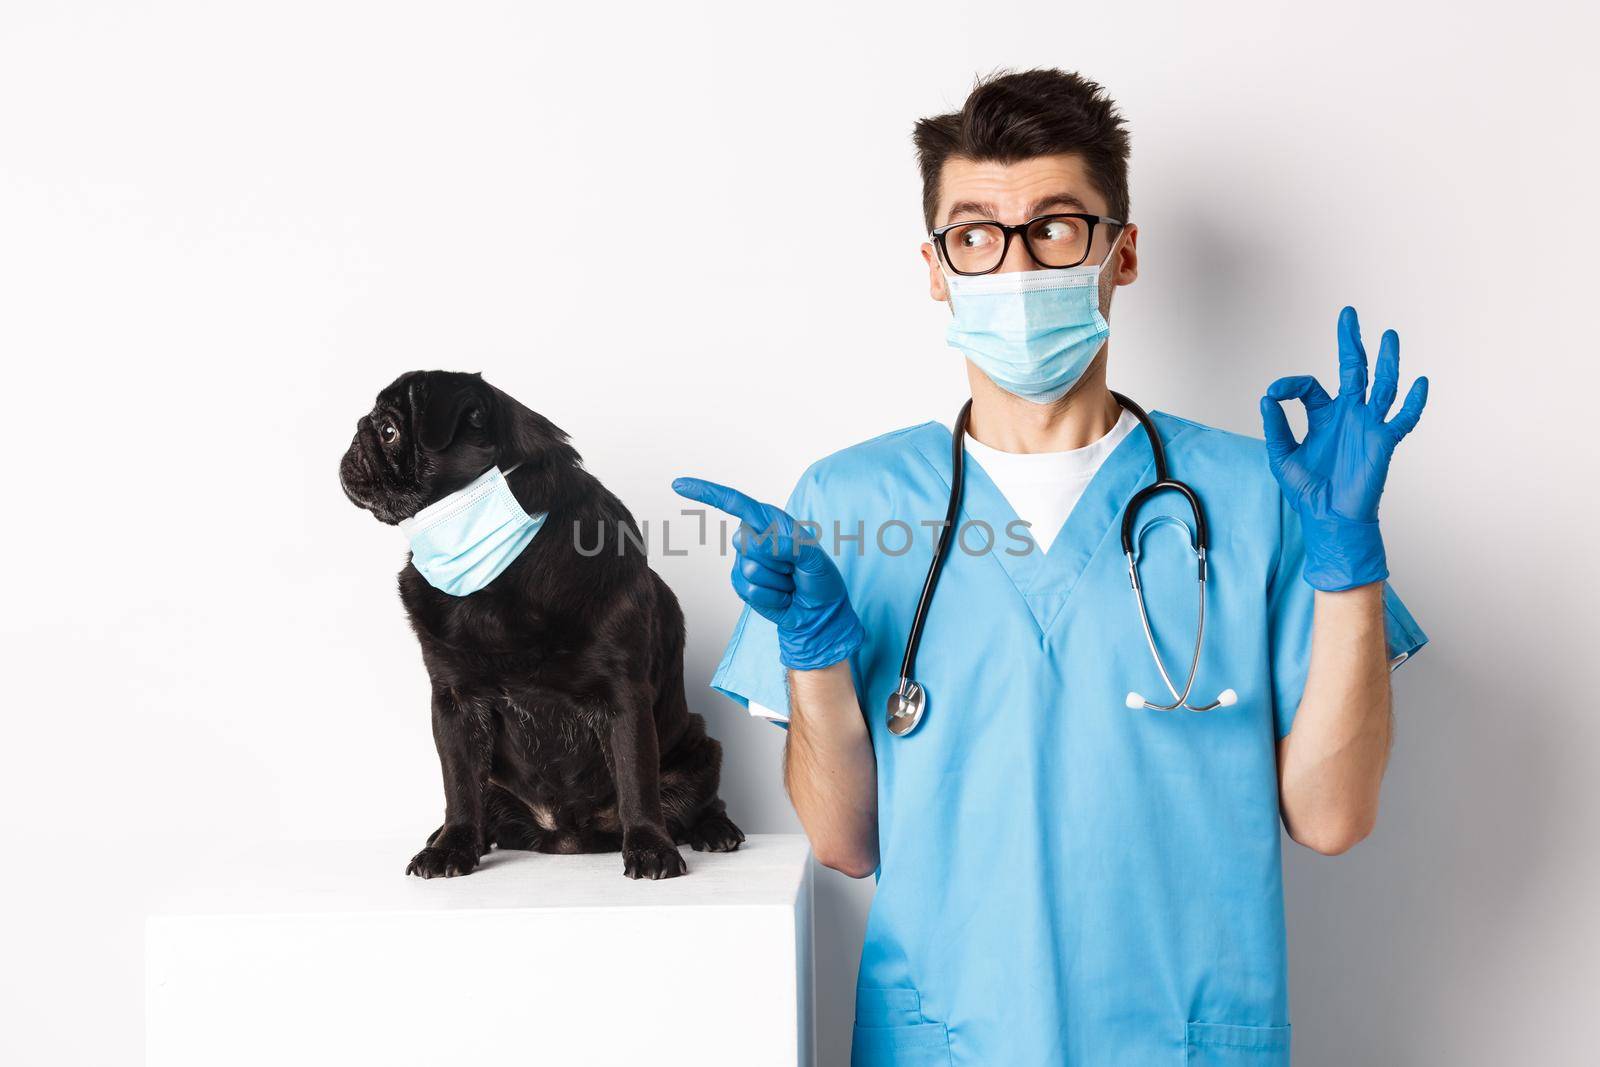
point(917, 1045)
point(890, 1031)
point(1222, 1045)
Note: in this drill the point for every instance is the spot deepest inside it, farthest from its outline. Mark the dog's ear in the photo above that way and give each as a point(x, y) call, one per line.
point(523, 435)
point(450, 399)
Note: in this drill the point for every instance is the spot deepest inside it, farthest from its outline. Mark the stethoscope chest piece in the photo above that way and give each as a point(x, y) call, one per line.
point(906, 705)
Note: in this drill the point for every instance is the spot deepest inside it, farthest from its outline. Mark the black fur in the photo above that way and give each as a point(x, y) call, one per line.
point(559, 709)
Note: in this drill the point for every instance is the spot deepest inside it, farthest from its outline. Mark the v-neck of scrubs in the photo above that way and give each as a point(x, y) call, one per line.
point(1045, 580)
point(1043, 487)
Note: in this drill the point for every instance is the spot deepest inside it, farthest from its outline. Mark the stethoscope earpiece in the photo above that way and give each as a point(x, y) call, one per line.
point(1225, 699)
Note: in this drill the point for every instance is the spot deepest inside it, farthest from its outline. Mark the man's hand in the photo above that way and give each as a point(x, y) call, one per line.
point(786, 577)
point(828, 763)
point(1335, 477)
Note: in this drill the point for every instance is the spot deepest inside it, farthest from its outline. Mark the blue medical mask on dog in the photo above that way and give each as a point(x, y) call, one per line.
point(464, 541)
point(1033, 333)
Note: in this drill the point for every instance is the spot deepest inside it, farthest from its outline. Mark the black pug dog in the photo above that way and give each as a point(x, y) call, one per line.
point(559, 708)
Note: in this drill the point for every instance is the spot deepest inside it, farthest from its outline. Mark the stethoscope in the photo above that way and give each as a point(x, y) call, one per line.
point(909, 701)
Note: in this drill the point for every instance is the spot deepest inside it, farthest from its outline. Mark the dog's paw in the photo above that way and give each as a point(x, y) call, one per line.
point(450, 851)
point(441, 863)
point(651, 855)
point(715, 833)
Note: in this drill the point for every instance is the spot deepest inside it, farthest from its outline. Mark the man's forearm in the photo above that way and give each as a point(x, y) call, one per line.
point(1331, 764)
point(830, 771)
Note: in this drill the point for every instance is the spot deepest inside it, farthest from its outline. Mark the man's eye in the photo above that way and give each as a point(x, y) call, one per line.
point(1058, 230)
point(389, 431)
point(976, 237)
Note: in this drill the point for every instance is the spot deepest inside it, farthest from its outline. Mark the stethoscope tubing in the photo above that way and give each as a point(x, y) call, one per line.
point(941, 547)
point(909, 698)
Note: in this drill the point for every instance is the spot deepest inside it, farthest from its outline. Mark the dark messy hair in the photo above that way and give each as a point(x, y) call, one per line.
point(1012, 116)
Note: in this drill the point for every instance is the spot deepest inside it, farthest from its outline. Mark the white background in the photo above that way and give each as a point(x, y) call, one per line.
point(688, 234)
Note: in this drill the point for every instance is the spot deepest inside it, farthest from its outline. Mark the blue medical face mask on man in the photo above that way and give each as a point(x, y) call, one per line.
point(463, 542)
point(1033, 333)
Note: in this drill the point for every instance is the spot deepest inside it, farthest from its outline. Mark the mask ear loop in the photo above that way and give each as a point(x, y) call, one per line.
point(949, 291)
point(1115, 241)
point(1101, 268)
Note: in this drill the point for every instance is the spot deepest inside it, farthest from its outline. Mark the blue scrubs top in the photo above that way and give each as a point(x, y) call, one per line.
point(1064, 880)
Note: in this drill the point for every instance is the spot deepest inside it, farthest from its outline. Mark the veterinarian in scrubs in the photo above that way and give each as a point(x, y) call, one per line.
point(1063, 878)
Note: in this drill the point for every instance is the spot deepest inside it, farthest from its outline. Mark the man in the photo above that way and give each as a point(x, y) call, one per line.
point(1067, 872)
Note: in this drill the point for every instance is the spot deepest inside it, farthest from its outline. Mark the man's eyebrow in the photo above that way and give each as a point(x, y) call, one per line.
point(1042, 206)
point(970, 207)
point(1056, 202)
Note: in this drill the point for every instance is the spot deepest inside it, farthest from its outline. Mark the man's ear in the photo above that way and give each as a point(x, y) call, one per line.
point(1128, 256)
point(450, 400)
point(936, 283)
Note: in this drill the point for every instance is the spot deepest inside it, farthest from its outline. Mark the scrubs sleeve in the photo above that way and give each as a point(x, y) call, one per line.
point(750, 672)
point(1291, 601)
point(1404, 635)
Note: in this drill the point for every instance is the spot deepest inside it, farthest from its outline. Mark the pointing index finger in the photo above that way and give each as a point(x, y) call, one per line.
point(723, 498)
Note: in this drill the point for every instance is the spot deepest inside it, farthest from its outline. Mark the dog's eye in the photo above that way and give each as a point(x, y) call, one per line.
point(389, 432)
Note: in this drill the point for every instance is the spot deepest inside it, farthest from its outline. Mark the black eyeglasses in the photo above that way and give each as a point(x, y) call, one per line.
point(1054, 241)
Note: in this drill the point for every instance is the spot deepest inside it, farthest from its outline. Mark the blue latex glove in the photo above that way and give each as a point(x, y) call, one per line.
point(1335, 476)
point(785, 576)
